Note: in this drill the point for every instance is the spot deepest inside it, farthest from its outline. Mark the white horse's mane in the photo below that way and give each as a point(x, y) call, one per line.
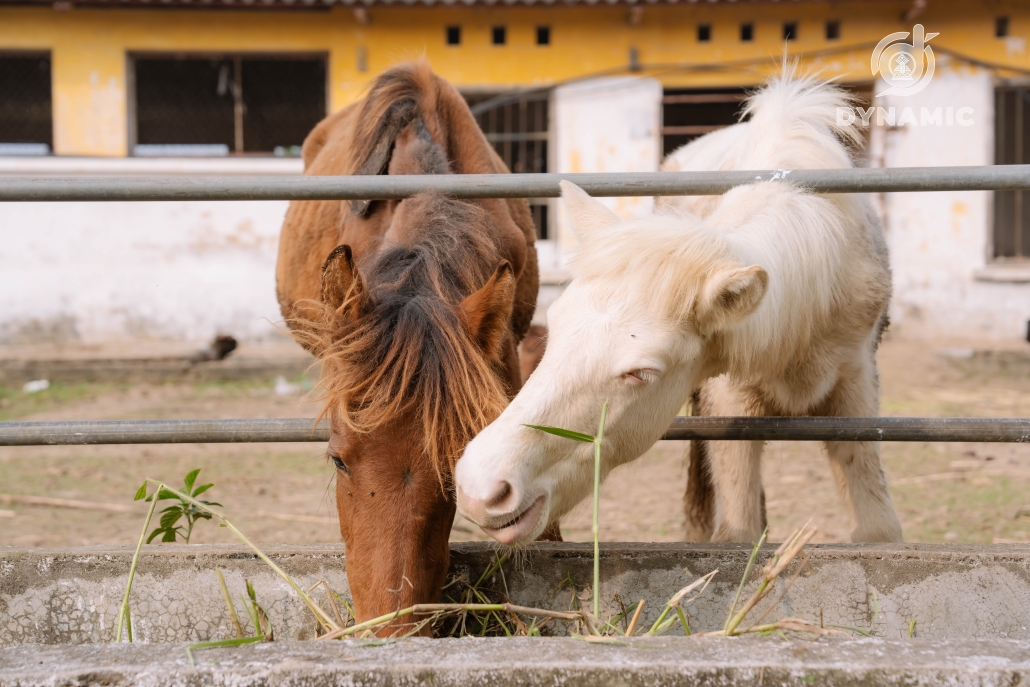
point(800, 238)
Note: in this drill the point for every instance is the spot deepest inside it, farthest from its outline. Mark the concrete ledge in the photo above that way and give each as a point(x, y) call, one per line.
point(71, 596)
point(182, 367)
point(523, 661)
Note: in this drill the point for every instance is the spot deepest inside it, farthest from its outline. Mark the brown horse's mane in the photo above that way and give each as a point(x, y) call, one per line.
point(408, 351)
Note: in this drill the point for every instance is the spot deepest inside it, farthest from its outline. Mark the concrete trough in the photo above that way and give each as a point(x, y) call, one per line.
point(969, 607)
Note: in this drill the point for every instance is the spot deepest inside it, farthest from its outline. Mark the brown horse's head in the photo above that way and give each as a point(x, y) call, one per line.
point(415, 317)
point(414, 341)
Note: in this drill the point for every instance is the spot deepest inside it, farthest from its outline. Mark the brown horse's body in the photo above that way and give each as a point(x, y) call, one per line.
point(415, 309)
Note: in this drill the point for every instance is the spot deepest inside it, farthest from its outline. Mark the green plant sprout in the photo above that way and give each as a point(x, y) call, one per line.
point(596, 441)
point(169, 530)
point(124, 616)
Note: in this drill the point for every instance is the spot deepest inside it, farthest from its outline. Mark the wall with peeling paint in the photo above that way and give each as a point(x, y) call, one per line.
point(102, 272)
point(607, 125)
point(945, 282)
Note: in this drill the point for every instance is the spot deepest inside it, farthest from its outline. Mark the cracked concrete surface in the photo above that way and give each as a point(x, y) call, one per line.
point(71, 596)
point(529, 661)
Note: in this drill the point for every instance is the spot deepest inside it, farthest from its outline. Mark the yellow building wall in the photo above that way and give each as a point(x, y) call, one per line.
point(89, 47)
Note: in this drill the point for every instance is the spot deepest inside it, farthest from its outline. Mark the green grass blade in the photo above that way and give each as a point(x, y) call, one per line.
point(683, 621)
point(743, 579)
point(221, 643)
point(564, 433)
point(597, 498)
point(124, 612)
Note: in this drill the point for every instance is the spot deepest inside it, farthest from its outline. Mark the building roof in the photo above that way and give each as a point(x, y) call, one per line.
point(322, 4)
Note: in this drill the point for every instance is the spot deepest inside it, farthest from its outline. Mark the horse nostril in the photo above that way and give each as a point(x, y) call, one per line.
point(502, 494)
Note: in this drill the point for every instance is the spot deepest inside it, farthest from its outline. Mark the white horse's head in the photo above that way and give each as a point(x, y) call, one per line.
point(640, 323)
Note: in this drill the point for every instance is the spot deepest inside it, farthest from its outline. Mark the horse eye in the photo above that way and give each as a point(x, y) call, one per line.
point(641, 376)
point(338, 462)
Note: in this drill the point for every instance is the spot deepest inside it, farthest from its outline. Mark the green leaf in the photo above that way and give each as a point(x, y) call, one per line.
point(159, 530)
point(191, 477)
point(170, 535)
point(169, 519)
point(565, 433)
point(200, 490)
point(211, 503)
point(166, 494)
point(141, 492)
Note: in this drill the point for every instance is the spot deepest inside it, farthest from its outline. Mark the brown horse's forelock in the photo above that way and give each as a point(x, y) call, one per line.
point(408, 352)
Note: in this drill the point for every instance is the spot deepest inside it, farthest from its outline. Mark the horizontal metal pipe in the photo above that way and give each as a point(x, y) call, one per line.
point(865, 180)
point(958, 429)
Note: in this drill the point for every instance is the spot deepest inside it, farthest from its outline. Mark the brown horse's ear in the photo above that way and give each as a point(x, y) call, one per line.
point(487, 312)
point(341, 283)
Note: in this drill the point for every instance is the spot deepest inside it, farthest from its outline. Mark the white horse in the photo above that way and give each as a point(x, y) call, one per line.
point(769, 299)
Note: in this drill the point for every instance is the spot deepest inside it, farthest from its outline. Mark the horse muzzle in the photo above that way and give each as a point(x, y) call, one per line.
point(504, 514)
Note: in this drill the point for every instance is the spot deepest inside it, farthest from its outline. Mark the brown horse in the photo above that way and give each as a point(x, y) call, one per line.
point(415, 309)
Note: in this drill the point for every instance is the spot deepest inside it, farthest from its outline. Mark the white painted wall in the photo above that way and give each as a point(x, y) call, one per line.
point(610, 124)
point(945, 286)
point(104, 272)
point(184, 271)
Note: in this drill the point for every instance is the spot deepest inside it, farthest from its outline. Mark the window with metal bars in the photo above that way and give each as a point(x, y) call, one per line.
point(516, 125)
point(226, 104)
point(1011, 147)
point(691, 113)
point(26, 112)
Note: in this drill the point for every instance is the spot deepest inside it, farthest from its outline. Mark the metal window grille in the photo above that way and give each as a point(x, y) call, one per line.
point(1012, 147)
point(26, 112)
point(227, 103)
point(518, 131)
point(690, 113)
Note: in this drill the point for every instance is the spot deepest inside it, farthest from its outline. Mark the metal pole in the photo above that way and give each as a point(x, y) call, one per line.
point(142, 188)
point(682, 428)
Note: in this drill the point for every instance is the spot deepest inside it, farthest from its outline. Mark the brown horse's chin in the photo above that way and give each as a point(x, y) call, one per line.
point(397, 551)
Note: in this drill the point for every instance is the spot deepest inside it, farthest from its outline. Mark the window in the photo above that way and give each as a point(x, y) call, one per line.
point(833, 30)
point(704, 33)
point(688, 114)
point(499, 35)
point(1012, 147)
point(543, 35)
point(790, 31)
point(1001, 27)
point(26, 118)
point(516, 125)
point(453, 35)
point(226, 104)
point(747, 32)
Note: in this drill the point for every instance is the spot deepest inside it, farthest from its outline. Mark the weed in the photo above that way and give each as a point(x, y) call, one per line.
point(597, 442)
point(191, 511)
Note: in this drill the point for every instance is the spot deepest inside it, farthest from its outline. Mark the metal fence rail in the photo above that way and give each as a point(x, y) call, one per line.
point(955, 429)
point(144, 188)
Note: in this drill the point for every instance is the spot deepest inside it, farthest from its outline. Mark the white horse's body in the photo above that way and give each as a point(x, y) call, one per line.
point(768, 299)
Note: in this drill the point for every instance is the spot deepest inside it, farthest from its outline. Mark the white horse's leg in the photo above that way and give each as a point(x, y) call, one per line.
point(856, 464)
point(735, 469)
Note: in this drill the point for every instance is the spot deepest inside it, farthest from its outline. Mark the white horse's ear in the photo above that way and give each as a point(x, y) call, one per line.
point(589, 217)
point(729, 296)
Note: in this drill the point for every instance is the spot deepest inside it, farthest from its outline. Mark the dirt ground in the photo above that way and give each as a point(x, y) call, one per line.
point(975, 493)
